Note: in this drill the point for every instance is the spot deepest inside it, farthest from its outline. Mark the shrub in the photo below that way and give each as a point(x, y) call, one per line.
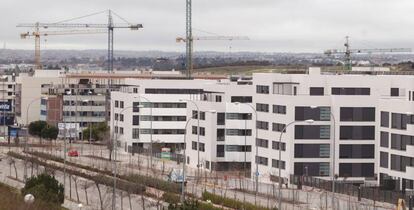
point(46, 188)
point(154, 183)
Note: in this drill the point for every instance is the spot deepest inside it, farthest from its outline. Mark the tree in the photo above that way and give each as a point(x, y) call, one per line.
point(45, 187)
point(50, 132)
point(43, 130)
point(98, 132)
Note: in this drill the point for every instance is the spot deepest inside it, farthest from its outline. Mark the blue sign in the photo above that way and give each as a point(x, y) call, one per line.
point(5, 106)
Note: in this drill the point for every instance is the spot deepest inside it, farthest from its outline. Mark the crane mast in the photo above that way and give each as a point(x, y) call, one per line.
point(189, 38)
point(349, 51)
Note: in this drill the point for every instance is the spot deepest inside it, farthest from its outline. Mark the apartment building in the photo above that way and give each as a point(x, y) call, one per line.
point(396, 140)
point(152, 112)
point(344, 112)
point(7, 102)
point(220, 136)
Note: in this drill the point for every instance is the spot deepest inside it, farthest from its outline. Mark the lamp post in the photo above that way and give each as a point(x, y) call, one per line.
point(333, 155)
point(257, 148)
point(182, 198)
point(151, 131)
point(198, 135)
point(27, 132)
point(280, 157)
point(114, 158)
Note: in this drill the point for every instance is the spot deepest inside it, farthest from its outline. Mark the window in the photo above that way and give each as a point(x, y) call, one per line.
point(312, 150)
point(262, 143)
point(312, 131)
point(135, 120)
point(202, 131)
point(238, 116)
point(311, 169)
point(135, 133)
point(279, 109)
point(400, 121)
point(262, 89)
point(121, 130)
point(351, 91)
point(195, 114)
point(317, 114)
point(172, 91)
point(202, 147)
point(278, 127)
point(241, 99)
point(194, 130)
point(221, 118)
point(121, 104)
point(238, 132)
point(238, 148)
point(163, 131)
point(202, 116)
point(116, 104)
point(220, 134)
point(356, 169)
point(384, 159)
point(400, 163)
point(285, 88)
point(275, 145)
point(385, 119)
point(357, 132)
point(278, 164)
point(261, 160)
point(218, 98)
point(135, 106)
point(121, 117)
point(262, 107)
point(384, 139)
point(316, 91)
point(262, 125)
point(194, 145)
point(116, 116)
point(220, 150)
point(400, 142)
point(359, 114)
point(395, 92)
point(356, 151)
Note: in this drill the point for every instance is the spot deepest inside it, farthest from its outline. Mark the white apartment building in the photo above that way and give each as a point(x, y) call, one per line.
point(355, 102)
point(151, 111)
point(396, 141)
point(223, 141)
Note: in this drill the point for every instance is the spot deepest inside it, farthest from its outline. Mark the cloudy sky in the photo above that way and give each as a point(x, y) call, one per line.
point(272, 25)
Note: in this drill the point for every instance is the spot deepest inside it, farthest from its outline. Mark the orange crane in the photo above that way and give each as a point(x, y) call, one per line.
point(108, 27)
point(37, 34)
point(348, 51)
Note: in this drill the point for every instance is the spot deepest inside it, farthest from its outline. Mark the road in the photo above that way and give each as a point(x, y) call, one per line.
point(300, 199)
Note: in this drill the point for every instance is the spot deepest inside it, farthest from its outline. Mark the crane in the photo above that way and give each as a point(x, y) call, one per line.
point(37, 34)
point(109, 27)
point(348, 52)
point(189, 39)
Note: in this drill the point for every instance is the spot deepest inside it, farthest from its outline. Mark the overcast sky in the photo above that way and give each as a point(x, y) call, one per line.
point(272, 25)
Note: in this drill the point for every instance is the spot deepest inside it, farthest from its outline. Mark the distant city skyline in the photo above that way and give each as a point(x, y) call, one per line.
point(273, 26)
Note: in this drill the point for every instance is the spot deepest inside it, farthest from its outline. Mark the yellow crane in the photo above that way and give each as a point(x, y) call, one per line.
point(37, 34)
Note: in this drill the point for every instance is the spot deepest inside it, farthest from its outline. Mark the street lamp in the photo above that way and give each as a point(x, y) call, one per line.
point(114, 158)
point(151, 131)
point(310, 121)
point(198, 134)
point(29, 198)
point(333, 154)
point(27, 132)
point(257, 148)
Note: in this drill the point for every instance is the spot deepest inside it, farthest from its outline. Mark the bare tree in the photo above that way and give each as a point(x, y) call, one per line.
point(100, 194)
point(85, 185)
point(75, 179)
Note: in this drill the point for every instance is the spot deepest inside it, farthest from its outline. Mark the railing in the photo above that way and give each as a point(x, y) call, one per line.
point(362, 191)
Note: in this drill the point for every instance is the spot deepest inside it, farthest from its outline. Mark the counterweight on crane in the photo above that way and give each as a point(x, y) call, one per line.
point(348, 52)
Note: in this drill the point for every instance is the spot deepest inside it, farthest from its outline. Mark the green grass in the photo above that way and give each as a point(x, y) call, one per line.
point(11, 199)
